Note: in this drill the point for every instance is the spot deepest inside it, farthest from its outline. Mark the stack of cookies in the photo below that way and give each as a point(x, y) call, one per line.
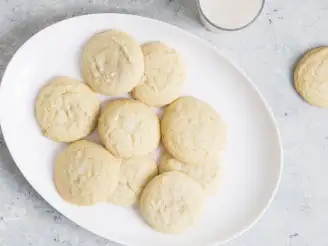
point(123, 170)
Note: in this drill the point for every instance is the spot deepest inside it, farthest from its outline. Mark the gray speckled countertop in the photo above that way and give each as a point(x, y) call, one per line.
point(266, 51)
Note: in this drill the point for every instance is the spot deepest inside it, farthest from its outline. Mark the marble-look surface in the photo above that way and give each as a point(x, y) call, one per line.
point(266, 51)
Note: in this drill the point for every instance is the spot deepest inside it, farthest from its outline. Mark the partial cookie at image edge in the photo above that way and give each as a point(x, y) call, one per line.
point(309, 77)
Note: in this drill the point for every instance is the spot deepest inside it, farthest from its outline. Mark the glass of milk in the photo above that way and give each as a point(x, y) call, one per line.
point(229, 15)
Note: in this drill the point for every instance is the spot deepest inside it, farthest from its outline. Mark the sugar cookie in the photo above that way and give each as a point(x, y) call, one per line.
point(165, 75)
point(192, 131)
point(134, 176)
point(129, 128)
point(310, 77)
point(86, 173)
point(67, 110)
point(171, 202)
point(207, 175)
point(112, 63)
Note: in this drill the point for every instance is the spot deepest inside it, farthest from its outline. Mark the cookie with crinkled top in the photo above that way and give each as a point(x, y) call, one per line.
point(112, 63)
point(172, 202)
point(135, 173)
point(129, 128)
point(192, 131)
point(66, 109)
point(86, 173)
point(311, 77)
point(165, 75)
point(207, 175)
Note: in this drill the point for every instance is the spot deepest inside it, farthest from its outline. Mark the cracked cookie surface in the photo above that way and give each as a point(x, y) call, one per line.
point(135, 174)
point(129, 128)
point(66, 109)
point(311, 77)
point(192, 131)
point(165, 75)
point(172, 202)
point(207, 175)
point(112, 63)
point(85, 173)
